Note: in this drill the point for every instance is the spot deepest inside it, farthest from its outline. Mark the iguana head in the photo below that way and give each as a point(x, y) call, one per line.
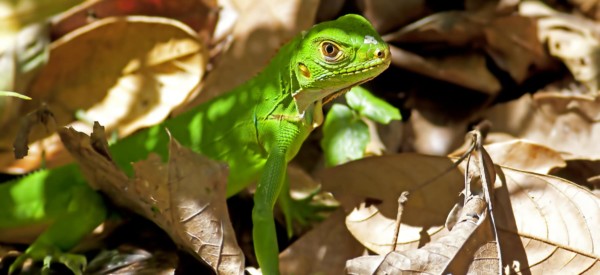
point(333, 57)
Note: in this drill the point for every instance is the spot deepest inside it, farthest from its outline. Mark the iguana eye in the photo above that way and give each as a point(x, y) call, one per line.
point(330, 51)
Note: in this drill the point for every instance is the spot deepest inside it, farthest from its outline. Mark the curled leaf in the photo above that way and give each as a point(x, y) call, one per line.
point(370, 106)
point(345, 136)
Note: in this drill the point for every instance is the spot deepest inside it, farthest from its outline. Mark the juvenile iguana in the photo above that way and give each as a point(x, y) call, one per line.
point(257, 128)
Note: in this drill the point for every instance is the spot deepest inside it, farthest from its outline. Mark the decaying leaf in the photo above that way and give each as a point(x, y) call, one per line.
point(583, 172)
point(474, 56)
point(424, 213)
point(572, 39)
point(201, 16)
point(568, 124)
point(22, 55)
point(468, 249)
point(159, 62)
point(520, 154)
point(133, 261)
point(509, 40)
point(435, 133)
point(543, 207)
point(532, 211)
point(17, 14)
point(185, 196)
point(386, 15)
point(467, 70)
point(525, 155)
point(323, 250)
point(199, 210)
point(41, 117)
point(590, 8)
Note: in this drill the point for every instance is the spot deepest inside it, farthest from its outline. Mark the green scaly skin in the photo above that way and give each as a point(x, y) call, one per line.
point(257, 128)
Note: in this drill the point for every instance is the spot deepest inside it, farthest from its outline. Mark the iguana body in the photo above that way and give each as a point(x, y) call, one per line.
point(256, 128)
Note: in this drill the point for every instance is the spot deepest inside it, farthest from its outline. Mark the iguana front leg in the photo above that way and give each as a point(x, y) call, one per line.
point(267, 191)
point(84, 212)
point(303, 210)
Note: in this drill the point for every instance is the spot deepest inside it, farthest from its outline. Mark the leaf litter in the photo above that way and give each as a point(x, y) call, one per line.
point(136, 88)
point(527, 68)
point(185, 196)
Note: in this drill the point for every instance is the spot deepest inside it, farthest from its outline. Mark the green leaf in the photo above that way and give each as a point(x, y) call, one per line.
point(345, 136)
point(370, 106)
point(6, 93)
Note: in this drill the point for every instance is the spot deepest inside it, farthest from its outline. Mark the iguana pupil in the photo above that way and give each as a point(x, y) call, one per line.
point(330, 50)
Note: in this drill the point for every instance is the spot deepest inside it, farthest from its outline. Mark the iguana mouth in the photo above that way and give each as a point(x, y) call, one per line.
point(334, 95)
point(360, 68)
point(310, 96)
point(364, 67)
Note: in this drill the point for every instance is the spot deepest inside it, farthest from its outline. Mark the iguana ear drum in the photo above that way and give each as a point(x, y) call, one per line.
point(304, 70)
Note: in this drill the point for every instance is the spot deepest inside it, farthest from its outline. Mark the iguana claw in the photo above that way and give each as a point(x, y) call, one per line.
point(305, 210)
point(74, 262)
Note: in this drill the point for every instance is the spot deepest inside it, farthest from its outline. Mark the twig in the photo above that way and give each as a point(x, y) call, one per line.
point(401, 200)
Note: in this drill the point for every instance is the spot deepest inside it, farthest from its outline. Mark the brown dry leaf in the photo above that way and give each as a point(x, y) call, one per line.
point(581, 171)
point(468, 70)
point(158, 63)
point(568, 124)
point(525, 155)
point(590, 8)
point(261, 28)
point(199, 15)
point(134, 260)
point(480, 245)
point(22, 55)
point(381, 180)
point(185, 197)
point(199, 210)
point(572, 39)
point(41, 117)
point(456, 49)
point(323, 250)
point(470, 238)
point(532, 211)
point(555, 220)
point(509, 40)
point(434, 132)
point(387, 15)
point(329, 10)
point(301, 183)
point(17, 14)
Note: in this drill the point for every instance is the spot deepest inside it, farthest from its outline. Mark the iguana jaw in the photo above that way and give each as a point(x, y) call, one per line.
point(315, 98)
point(341, 92)
point(317, 106)
point(304, 98)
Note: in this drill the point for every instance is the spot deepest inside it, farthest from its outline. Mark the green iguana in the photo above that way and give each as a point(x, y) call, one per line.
point(257, 128)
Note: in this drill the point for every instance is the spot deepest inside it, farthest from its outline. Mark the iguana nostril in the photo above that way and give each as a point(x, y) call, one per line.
point(379, 53)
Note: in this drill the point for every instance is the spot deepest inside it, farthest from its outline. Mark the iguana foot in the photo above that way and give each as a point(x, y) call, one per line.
point(310, 209)
point(76, 263)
